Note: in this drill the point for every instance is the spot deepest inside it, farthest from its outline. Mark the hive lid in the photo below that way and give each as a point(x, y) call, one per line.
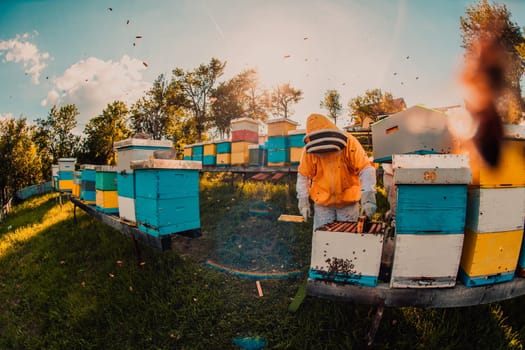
point(67, 159)
point(142, 142)
point(106, 168)
point(297, 132)
point(88, 166)
point(277, 120)
point(166, 164)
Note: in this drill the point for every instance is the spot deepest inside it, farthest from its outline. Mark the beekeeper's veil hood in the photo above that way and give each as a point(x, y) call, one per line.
point(322, 135)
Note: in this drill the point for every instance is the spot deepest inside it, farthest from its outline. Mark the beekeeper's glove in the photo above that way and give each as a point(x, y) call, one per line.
point(304, 208)
point(368, 203)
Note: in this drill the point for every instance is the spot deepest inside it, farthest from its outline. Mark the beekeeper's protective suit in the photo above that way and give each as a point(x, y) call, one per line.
point(335, 173)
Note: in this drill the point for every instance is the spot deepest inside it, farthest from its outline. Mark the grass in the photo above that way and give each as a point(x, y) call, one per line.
point(67, 285)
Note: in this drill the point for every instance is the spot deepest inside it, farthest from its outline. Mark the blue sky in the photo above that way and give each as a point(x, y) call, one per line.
point(65, 51)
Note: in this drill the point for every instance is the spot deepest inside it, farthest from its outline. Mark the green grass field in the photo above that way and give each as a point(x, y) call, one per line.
point(66, 285)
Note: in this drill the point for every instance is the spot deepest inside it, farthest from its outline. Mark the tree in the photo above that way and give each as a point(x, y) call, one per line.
point(103, 131)
point(281, 98)
point(152, 114)
point(239, 96)
point(332, 103)
point(54, 137)
point(20, 164)
point(493, 20)
point(196, 88)
point(373, 104)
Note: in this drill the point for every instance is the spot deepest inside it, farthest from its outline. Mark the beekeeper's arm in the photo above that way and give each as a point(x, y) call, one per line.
point(367, 177)
point(301, 187)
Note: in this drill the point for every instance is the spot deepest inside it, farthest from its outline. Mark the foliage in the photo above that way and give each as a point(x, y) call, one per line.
point(281, 98)
point(483, 18)
point(153, 113)
point(20, 164)
point(54, 135)
point(373, 104)
point(332, 102)
point(196, 88)
point(238, 97)
point(102, 132)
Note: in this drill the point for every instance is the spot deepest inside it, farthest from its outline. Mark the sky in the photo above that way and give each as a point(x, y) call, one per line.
point(91, 53)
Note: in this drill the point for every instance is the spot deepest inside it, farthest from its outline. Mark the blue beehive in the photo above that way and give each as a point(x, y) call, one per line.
point(198, 152)
point(278, 150)
point(167, 201)
point(88, 192)
point(224, 147)
point(430, 219)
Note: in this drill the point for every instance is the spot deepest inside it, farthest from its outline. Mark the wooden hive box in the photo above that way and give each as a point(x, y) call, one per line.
point(430, 221)
point(65, 180)
point(188, 152)
point(66, 164)
point(106, 178)
point(223, 146)
point(346, 257)
point(495, 209)
point(489, 257)
point(417, 130)
point(87, 183)
point(167, 201)
point(54, 176)
point(280, 126)
point(258, 155)
point(248, 124)
point(132, 149)
point(510, 171)
point(107, 201)
point(223, 159)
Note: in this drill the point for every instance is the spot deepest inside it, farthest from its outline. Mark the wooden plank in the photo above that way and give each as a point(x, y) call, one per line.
point(436, 161)
point(458, 296)
point(162, 243)
point(166, 164)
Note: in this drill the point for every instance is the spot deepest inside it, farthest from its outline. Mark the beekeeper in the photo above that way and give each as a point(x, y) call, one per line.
point(335, 173)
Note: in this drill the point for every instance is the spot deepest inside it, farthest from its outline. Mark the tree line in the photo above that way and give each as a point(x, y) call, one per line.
point(192, 105)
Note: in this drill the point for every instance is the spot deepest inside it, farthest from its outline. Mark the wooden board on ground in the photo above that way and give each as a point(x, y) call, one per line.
point(291, 218)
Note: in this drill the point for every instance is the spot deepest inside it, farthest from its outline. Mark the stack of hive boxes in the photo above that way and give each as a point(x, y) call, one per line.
point(54, 176)
point(167, 201)
point(209, 154)
point(495, 214)
point(430, 221)
point(129, 150)
point(66, 167)
point(278, 142)
point(223, 149)
point(88, 178)
point(188, 152)
point(197, 152)
point(245, 132)
point(106, 189)
point(77, 175)
point(296, 141)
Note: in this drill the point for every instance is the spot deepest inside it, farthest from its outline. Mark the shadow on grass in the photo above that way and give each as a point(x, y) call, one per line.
point(79, 286)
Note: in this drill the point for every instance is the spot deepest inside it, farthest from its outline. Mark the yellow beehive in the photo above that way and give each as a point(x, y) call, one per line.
point(280, 127)
point(510, 171)
point(241, 146)
point(295, 154)
point(489, 257)
point(188, 151)
point(224, 159)
point(240, 158)
point(65, 185)
point(210, 149)
point(107, 201)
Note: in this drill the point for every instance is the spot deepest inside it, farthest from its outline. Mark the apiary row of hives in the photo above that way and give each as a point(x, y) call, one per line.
point(159, 196)
point(282, 145)
point(456, 218)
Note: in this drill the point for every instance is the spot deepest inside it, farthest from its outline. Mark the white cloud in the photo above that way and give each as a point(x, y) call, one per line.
point(92, 84)
point(20, 50)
